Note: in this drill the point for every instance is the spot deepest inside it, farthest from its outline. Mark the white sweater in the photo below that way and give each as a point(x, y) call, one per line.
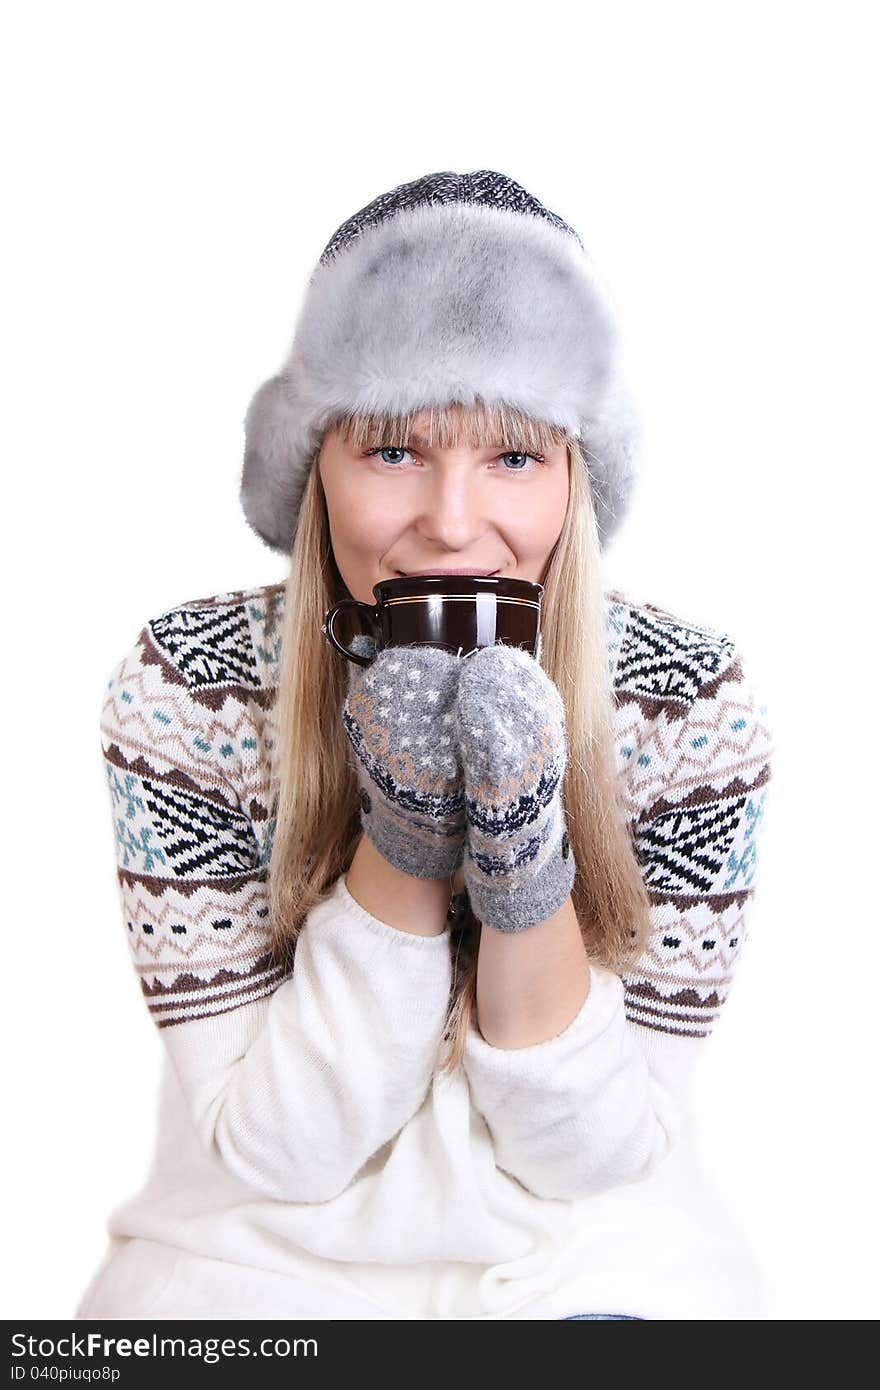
point(311, 1161)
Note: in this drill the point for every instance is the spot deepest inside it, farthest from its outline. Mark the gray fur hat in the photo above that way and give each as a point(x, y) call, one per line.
point(449, 288)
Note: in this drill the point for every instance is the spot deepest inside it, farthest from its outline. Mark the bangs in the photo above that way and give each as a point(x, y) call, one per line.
point(479, 426)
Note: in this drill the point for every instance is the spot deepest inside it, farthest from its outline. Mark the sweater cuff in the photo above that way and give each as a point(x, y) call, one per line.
point(397, 982)
point(542, 1062)
point(393, 936)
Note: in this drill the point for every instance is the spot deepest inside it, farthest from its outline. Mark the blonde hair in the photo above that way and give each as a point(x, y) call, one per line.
point(318, 817)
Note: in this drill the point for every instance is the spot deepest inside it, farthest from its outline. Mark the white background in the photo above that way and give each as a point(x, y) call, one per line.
point(171, 174)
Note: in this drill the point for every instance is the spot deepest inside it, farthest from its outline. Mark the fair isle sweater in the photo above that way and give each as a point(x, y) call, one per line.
point(310, 1159)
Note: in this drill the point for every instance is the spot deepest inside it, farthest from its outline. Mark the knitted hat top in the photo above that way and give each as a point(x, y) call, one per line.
point(451, 288)
point(495, 190)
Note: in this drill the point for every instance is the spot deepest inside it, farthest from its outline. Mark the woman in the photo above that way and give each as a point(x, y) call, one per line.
point(447, 1074)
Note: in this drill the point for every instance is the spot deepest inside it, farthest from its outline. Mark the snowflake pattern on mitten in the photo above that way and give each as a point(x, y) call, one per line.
point(518, 865)
point(399, 717)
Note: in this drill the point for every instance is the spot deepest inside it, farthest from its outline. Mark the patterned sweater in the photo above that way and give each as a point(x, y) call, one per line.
point(310, 1161)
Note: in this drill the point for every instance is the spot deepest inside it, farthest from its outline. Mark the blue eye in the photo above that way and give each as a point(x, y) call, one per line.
point(537, 459)
point(388, 449)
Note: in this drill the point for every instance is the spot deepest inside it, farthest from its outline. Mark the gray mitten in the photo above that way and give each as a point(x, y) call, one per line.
point(399, 716)
point(518, 865)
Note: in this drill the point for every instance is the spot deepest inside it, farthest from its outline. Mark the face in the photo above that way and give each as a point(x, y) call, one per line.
point(405, 507)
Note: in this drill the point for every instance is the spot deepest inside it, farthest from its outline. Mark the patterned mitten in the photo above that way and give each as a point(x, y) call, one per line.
point(399, 715)
point(518, 865)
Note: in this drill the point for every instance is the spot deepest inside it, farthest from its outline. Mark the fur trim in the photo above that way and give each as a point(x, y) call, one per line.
point(444, 303)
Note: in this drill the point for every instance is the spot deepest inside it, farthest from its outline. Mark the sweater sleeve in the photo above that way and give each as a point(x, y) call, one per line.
point(606, 1100)
point(293, 1078)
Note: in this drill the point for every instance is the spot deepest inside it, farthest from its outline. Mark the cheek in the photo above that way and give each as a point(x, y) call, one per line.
point(361, 520)
point(538, 528)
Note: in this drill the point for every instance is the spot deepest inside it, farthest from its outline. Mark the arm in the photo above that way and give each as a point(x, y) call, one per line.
point(293, 1080)
point(296, 1093)
point(531, 984)
point(411, 904)
point(604, 1100)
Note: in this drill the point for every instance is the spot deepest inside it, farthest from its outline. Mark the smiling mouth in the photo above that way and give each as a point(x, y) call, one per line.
point(418, 574)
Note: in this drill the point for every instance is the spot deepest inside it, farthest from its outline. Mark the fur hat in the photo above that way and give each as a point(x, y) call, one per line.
point(450, 288)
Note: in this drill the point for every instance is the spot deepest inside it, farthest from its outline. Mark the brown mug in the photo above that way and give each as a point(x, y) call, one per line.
point(461, 612)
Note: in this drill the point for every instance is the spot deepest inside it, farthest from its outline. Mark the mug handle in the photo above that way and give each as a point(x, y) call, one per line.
point(371, 615)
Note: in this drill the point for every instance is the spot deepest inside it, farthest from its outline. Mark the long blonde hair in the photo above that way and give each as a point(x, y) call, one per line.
point(317, 823)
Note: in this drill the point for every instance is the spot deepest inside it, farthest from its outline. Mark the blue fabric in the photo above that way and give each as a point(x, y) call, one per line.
point(629, 1317)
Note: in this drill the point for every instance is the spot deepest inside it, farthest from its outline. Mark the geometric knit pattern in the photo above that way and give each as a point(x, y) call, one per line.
point(693, 751)
point(188, 739)
point(187, 736)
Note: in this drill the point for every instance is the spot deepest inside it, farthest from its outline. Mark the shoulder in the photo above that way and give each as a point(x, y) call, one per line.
point(665, 660)
point(194, 695)
point(230, 641)
point(687, 713)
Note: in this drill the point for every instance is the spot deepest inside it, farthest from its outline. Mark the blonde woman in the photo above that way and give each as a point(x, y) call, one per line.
point(429, 1040)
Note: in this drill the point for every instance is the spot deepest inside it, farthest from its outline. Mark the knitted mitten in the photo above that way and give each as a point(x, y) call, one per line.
point(518, 865)
point(399, 715)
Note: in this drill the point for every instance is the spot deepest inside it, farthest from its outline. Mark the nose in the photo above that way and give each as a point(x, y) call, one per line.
point(451, 510)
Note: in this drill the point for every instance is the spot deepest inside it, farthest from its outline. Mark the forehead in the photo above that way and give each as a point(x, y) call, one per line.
point(452, 426)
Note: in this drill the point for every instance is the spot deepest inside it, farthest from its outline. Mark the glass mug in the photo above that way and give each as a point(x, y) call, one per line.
point(462, 612)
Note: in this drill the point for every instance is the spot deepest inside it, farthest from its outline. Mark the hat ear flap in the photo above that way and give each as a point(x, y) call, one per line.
point(610, 442)
point(273, 477)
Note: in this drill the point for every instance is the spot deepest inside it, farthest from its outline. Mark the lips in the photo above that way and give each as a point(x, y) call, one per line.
point(416, 574)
